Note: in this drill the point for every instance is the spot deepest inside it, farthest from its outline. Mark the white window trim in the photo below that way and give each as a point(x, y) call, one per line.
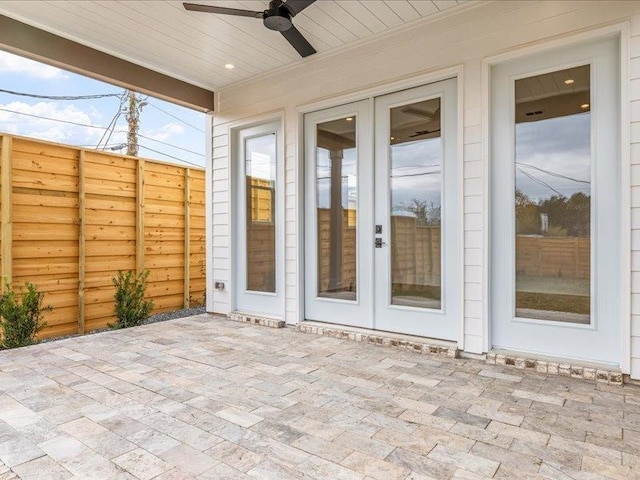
point(233, 131)
point(622, 30)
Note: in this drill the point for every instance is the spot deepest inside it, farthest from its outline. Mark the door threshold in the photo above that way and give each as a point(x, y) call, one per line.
point(254, 319)
point(563, 367)
point(413, 343)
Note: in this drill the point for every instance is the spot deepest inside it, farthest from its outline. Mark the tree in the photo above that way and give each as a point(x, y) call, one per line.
point(426, 213)
point(527, 214)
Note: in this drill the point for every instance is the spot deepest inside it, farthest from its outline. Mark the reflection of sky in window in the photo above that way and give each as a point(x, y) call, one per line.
point(261, 157)
point(349, 178)
point(553, 156)
point(415, 174)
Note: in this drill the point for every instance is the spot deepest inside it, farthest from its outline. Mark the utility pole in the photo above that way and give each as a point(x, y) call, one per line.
point(134, 108)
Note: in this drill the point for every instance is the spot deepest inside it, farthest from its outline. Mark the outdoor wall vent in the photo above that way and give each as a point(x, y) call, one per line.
point(218, 285)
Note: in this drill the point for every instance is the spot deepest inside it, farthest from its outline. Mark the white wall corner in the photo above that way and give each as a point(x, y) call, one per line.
point(209, 214)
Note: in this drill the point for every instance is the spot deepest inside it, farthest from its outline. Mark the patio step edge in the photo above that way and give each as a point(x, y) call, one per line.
point(550, 366)
point(264, 321)
point(406, 342)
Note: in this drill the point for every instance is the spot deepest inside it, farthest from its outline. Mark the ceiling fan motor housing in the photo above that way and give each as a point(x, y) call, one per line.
point(277, 19)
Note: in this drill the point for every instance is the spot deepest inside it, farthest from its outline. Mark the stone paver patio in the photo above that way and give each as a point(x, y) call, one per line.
point(208, 398)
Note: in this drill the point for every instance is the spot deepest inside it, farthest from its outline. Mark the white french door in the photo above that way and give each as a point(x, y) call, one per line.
point(339, 216)
point(416, 208)
point(381, 213)
point(258, 219)
point(555, 183)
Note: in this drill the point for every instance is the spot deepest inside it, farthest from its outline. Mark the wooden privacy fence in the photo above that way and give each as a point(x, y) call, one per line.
point(71, 218)
point(568, 257)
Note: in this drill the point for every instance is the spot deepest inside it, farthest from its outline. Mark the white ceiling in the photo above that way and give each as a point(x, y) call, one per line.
point(194, 46)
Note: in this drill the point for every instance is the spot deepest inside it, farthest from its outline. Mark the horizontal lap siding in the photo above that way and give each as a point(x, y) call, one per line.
point(465, 37)
point(45, 213)
point(634, 93)
point(221, 227)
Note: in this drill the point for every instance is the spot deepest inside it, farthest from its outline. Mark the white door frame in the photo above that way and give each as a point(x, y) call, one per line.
point(243, 300)
point(332, 310)
point(441, 323)
point(369, 93)
point(455, 76)
point(578, 340)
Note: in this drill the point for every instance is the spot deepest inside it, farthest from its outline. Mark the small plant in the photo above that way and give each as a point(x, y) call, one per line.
point(131, 307)
point(21, 315)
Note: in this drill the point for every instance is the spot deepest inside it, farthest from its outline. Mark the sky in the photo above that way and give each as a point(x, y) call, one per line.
point(554, 156)
point(167, 132)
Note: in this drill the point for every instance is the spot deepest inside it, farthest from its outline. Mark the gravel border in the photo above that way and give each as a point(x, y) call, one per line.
point(185, 312)
point(159, 317)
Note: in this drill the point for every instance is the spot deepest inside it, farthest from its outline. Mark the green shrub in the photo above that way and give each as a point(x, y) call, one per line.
point(131, 307)
point(21, 315)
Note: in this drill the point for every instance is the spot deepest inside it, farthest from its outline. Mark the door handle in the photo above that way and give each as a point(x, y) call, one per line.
point(380, 243)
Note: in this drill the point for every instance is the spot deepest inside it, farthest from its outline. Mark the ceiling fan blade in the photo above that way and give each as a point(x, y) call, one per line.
point(194, 7)
point(296, 6)
point(297, 40)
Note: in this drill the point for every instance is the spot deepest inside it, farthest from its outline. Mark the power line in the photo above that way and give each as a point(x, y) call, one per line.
point(98, 127)
point(52, 119)
point(173, 116)
point(170, 156)
point(541, 182)
point(415, 174)
point(553, 174)
point(112, 124)
point(61, 97)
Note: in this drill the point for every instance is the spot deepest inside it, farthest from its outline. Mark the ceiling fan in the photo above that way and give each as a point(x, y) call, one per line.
point(277, 17)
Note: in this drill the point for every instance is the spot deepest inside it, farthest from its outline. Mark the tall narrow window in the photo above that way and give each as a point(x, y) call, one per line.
point(260, 181)
point(416, 204)
point(553, 196)
point(336, 203)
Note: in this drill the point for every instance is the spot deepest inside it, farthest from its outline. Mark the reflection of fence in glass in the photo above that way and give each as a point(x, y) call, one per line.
point(416, 262)
point(261, 236)
point(347, 275)
point(262, 200)
point(553, 196)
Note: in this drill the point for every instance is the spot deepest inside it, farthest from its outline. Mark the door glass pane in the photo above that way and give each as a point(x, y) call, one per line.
point(416, 203)
point(336, 203)
point(260, 178)
point(553, 196)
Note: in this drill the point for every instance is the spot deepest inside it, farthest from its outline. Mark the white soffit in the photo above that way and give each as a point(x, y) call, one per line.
point(195, 47)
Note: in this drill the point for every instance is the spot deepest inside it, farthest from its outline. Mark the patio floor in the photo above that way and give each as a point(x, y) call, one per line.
point(207, 398)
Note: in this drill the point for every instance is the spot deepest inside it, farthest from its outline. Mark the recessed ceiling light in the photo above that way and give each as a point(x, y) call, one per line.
point(349, 119)
point(584, 106)
point(569, 81)
point(229, 66)
point(393, 138)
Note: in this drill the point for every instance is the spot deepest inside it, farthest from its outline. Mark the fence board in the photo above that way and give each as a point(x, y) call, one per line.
point(72, 218)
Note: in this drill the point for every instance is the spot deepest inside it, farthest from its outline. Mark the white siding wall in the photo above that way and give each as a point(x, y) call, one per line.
point(465, 37)
point(634, 113)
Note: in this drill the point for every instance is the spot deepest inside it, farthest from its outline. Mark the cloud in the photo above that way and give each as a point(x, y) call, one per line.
point(10, 63)
point(165, 132)
point(35, 127)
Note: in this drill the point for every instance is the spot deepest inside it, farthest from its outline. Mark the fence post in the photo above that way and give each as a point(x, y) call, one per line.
point(81, 241)
point(187, 237)
point(140, 217)
point(6, 227)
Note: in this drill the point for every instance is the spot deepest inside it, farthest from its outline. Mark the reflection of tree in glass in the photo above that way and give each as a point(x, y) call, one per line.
point(566, 216)
point(426, 213)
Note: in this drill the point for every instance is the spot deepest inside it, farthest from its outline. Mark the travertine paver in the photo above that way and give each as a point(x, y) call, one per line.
point(206, 398)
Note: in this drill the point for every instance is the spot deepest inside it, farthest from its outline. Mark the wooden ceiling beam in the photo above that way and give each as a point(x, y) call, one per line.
point(31, 42)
